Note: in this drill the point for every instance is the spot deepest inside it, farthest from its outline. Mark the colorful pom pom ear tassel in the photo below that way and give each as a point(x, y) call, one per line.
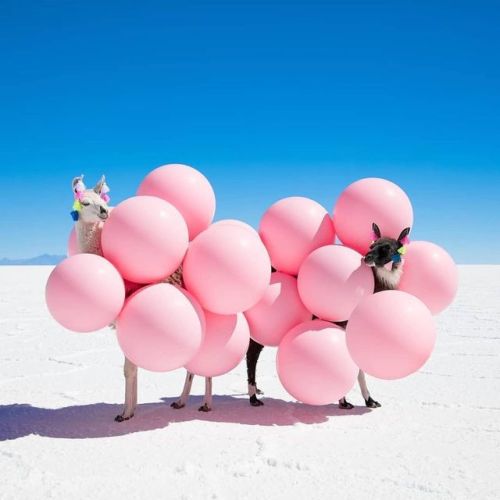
point(75, 215)
point(396, 258)
point(104, 192)
point(79, 188)
point(402, 250)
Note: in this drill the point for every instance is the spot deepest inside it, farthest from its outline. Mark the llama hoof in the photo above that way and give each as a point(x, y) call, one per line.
point(121, 418)
point(177, 405)
point(371, 403)
point(205, 408)
point(256, 402)
point(345, 405)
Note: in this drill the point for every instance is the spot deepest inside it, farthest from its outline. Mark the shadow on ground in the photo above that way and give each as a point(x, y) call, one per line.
point(97, 420)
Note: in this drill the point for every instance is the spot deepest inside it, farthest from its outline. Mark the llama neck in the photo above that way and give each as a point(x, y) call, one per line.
point(387, 279)
point(89, 237)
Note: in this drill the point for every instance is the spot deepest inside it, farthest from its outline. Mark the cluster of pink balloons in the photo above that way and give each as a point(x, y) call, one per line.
point(230, 293)
point(161, 327)
point(389, 335)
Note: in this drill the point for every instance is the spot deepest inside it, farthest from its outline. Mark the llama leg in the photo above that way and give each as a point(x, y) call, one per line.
point(181, 402)
point(253, 353)
point(207, 401)
point(345, 405)
point(371, 403)
point(130, 372)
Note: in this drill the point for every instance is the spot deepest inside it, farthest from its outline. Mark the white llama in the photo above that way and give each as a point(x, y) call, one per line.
point(91, 210)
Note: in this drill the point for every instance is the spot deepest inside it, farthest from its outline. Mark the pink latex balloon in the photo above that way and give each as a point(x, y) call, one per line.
point(160, 327)
point(314, 365)
point(227, 269)
point(333, 280)
point(186, 189)
point(72, 243)
point(223, 347)
point(292, 228)
point(430, 274)
point(391, 334)
point(84, 293)
point(146, 238)
point(367, 201)
point(279, 310)
point(236, 222)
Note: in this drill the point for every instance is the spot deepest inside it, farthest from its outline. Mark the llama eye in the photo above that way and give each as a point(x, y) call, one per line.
point(85, 203)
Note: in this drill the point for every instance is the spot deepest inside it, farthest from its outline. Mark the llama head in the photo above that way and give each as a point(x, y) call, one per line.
point(91, 205)
point(385, 250)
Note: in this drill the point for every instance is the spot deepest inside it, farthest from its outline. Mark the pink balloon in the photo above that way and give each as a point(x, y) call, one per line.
point(186, 189)
point(223, 347)
point(160, 327)
point(227, 269)
point(391, 334)
point(146, 238)
point(236, 222)
point(292, 228)
point(84, 293)
point(367, 201)
point(333, 280)
point(314, 365)
point(430, 274)
point(72, 243)
point(279, 310)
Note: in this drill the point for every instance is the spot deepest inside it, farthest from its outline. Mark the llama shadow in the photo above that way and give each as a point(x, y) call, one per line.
point(97, 420)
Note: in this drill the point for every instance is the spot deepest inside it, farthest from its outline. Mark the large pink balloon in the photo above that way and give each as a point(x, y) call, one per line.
point(146, 238)
point(72, 243)
point(223, 347)
point(236, 222)
point(160, 327)
point(314, 365)
point(292, 228)
point(367, 201)
point(227, 269)
point(391, 334)
point(186, 189)
point(430, 274)
point(84, 293)
point(333, 280)
point(279, 310)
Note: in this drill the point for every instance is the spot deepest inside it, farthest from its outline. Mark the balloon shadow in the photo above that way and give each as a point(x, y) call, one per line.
point(97, 420)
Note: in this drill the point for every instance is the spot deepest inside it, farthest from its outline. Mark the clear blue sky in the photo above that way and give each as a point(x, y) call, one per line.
point(268, 99)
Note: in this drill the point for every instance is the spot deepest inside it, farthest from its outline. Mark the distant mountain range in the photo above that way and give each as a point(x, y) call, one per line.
point(41, 260)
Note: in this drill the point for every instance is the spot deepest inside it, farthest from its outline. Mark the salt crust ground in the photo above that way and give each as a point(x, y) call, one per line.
point(436, 436)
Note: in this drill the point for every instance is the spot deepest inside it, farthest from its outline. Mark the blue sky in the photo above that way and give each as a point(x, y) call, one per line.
point(268, 99)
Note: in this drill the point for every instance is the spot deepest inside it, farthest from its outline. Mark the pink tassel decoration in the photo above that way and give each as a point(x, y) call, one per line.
point(104, 193)
point(79, 189)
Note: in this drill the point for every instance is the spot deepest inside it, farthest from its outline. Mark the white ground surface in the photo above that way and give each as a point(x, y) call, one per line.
point(437, 434)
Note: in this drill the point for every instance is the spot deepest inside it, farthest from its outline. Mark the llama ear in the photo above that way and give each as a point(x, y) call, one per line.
point(102, 189)
point(403, 237)
point(78, 186)
point(77, 182)
point(98, 188)
point(376, 231)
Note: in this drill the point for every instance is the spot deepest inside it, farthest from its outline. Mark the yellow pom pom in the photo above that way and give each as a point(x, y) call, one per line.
point(77, 205)
point(402, 250)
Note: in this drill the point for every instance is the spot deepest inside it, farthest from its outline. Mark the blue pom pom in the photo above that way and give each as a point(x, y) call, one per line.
point(396, 258)
point(75, 215)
